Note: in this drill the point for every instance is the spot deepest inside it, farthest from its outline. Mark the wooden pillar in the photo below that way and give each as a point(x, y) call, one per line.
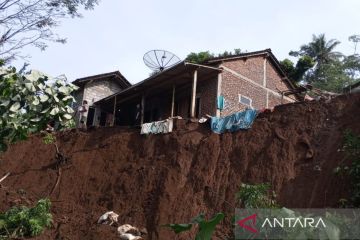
point(193, 95)
point(218, 93)
point(173, 101)
point(114, 112)
point(142, 108)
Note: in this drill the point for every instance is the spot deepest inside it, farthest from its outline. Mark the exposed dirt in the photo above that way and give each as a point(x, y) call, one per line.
point(154, 180)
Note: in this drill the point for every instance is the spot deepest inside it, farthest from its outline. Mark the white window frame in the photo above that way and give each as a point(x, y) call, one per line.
point(249, 105)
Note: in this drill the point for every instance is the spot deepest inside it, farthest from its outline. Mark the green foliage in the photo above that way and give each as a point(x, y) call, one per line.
point(330, 77)
point(49, 138)
point(225, 54)
point(296, 73)
point(355, 39)
point(237, 51)
point(28, 103)
point(351, 148)
point(288, 66)
point(199, 57)
point(319, 49)
point(202, 57)
point(257, 196)
point(179, 227)
point(206, 228)
point(320, 65)
point(302, 66)
point(26, 222)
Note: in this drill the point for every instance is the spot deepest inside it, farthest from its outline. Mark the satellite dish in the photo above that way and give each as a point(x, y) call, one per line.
point(159, 60)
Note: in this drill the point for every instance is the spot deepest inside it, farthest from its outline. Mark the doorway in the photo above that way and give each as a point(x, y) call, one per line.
point(90, 116)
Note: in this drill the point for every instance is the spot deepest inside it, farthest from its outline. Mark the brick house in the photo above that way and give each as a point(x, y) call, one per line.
point(253, 79)
point(95, 88)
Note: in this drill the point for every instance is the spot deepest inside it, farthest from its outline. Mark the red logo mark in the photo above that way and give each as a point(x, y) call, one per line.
point(251, 226)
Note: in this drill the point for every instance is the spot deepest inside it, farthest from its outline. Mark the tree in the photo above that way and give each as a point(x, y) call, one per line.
point(28, 103)
point(355, 39)
point(330, 77)
point(320, 65)
point(321, 50)
point(237, 51)
point(31, 22)
point(296, 73)
point(201, 57)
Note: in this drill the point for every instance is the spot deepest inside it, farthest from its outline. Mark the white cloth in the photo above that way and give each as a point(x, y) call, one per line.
point(129, 236)
point(108, 218)
point(124, 233)
point(164, 126)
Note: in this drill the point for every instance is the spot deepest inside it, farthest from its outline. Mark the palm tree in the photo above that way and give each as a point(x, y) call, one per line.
point(319, 49)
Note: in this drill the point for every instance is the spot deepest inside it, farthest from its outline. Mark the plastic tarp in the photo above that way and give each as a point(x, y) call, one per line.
point(158, 127)
point(234, 122)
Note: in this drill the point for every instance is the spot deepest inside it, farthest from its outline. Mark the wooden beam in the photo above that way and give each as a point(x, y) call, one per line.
point(173, 101)
point(204, 66)
point(142, 108)
point(193, 95)
point(114, 112)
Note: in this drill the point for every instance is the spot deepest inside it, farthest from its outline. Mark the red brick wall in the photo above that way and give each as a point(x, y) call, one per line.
point(273, 79)
point(253, 69)
point(232, 86)
point(206, 89)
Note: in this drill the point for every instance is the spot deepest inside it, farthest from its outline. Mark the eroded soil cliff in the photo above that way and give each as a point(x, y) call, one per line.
point(159, 179)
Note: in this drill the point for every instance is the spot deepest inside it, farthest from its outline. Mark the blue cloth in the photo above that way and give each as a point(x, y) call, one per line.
point(234, 122)
point(220, 102)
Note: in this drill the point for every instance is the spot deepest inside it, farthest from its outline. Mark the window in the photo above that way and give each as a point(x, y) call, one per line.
point(245, 100)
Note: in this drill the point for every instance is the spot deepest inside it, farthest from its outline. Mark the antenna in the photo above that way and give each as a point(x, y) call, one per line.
point(159, 60)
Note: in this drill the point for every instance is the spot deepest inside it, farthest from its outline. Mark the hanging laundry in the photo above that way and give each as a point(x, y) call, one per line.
point(164, 126)
point(234, 122)
point(220, 102)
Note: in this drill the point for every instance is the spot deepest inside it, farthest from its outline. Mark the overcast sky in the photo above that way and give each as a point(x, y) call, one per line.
point(117, 33)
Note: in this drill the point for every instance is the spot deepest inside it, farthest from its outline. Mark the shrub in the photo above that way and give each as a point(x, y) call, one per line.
point(25, 222)
point(49, 138)
point(351, 147)
point(257, 196)
point(206, 228)
point(28, 102)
